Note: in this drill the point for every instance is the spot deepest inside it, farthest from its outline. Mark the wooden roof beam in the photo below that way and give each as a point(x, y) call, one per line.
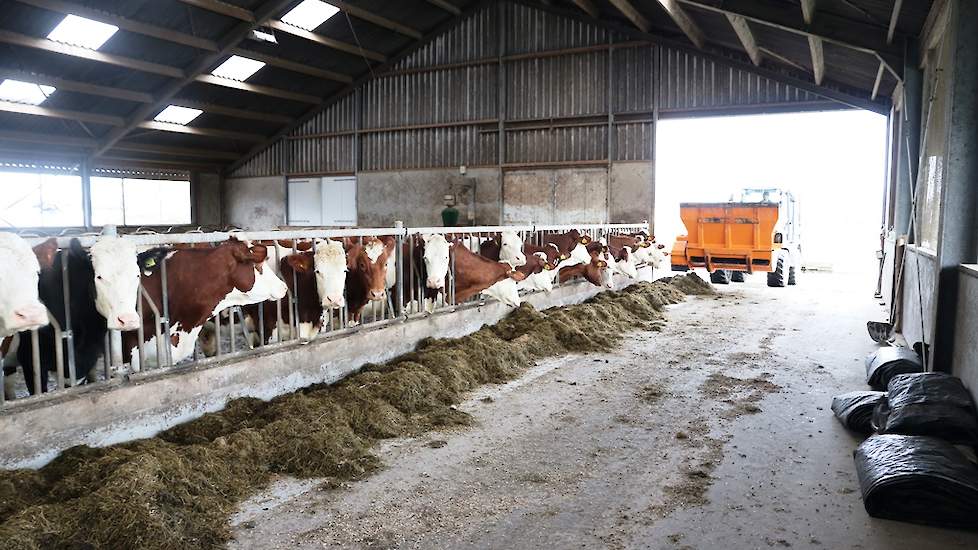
point(257, 89)
point(136, 147)
point(447, 6)
point(222, 8)
point(632, 13)
point(246, 114)
point(742, 28)
point(76, 86)
point(378, 20)
point(201, 65)
point(588, 7)
point(123, 23)
point(49, 139)
point(196, 131)
point(829, 28)
point(81, 116)
point(326, 41)
point(293, 66)
point(85, 53)
point(684, 22)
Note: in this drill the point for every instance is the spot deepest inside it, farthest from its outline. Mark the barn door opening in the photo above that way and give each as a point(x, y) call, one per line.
point(563, 196)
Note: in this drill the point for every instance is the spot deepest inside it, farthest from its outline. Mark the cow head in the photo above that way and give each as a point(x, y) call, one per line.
point(373, 261)
point(436, 249)
point(330, 263)
point(596, 270)
point(625, 263)
point(511, 249)
point(20, 308)
point(505, 291)
point(117, 279)
point(252, 280)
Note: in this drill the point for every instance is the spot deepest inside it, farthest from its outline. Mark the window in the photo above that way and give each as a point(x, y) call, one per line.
point(40, 200)
point(79, 31)
point(24, 92)
point(310, 14)
point(238, 68)
point(130, 201)
point(178, 115)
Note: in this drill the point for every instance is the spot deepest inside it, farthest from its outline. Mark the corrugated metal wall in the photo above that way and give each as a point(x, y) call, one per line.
point(439, 107)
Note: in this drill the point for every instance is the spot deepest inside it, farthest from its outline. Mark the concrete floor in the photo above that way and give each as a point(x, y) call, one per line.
point(714, 433)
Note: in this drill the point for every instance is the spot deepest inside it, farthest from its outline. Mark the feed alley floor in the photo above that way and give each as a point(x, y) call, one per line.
point(714, 433)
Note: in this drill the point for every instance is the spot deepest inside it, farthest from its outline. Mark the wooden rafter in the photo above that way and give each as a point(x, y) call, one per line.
point(326, 41)
point(196, 131)
point(76, 86)
point(246, 114)
point(684, 22)
point(746, 36)
point(123, 23)
point(44, 44)
point(631, 12)
point(223, 8)
point(447, 6)
point(38, 110)
point(588, 7)
point(256, 89)
point(379, 20)
point(137, 147)
point(293, 66)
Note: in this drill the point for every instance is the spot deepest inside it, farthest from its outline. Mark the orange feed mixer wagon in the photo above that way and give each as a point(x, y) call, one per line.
point(759, 233)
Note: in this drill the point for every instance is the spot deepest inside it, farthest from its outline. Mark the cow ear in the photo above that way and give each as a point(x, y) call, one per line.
point(46, 252)
point(297, 262)
point(425, 238)
point(602, 263)
point(259, 253)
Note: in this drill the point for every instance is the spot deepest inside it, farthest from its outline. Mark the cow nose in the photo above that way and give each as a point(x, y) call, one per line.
point(436, 283)
point(334, 302)
point(126, 321)
point(376, 295)
point(31, 315)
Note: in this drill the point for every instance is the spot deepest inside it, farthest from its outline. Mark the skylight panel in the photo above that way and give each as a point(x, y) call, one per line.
point(178, 115)
point(310, 14)
point(24, 92)
point(79, 31)
point(238, 68)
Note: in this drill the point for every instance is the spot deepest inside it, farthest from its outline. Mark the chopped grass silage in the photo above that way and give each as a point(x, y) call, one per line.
point(178, 489)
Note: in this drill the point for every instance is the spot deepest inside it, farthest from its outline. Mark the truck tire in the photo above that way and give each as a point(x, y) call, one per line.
point(792, 278)
point(720, 277)
point(776, 278)
point(737, 276)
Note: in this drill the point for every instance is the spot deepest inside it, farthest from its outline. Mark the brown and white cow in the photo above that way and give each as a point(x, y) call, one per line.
point(476, 274)
point(593, 271)
point(201, 282)
point(366, 276)
point(20, 307)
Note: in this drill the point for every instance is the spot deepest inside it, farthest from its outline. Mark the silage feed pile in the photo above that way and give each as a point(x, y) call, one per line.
point(178, 490)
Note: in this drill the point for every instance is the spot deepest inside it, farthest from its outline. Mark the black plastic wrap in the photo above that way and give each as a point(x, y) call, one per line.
point(855, 409)
point(885, 363)
point(917, 479)
point(932, 403)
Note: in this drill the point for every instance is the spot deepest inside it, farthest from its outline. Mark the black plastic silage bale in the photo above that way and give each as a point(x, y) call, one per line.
point(917, 479)
point(930, 403)
point(885, 363)
point(855, 409)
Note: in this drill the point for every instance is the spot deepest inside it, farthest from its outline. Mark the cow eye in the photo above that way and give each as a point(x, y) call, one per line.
point(99, 277)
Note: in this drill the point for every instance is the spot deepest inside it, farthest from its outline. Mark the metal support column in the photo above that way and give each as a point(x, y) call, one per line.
point(501, 105)
point(85, 170)
point(908, 157)
point(610, 90)
point(957, 240)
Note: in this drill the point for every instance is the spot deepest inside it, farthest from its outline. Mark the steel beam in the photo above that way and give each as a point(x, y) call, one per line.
point(894, 17)
point(222, 8)
point(137, 147)
point(33, 137)
point(588, 7)
point(247, 114)
point(38, 110)
point(75, 86)
point(632, 13)
point(447, 6)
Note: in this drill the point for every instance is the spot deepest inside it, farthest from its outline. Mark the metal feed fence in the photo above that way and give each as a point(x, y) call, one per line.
point(240, 330)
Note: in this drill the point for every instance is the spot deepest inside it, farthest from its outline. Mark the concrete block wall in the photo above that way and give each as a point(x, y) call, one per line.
point(255, 203)
point(416, 196)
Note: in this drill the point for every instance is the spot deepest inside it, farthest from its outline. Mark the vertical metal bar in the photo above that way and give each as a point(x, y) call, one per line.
point(231, 329)
point(36, 362)
point(58, 352)
point(611, 125)
point(107, 356)
point(140, 331)
point(294, 304)
point(166, 312)
point(261, 324)
point(68, 334)
point(85, 171)
point(3, 382)
point(217, 333)
point(399, 271)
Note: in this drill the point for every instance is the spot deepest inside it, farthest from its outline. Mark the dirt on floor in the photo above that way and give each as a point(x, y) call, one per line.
point(710, 431)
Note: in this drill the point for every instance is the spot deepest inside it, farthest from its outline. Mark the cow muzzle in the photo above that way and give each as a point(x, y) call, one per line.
point(436, 283)
point(334, 302)
point(377, 295)
point(30, 317)
point(126, 321)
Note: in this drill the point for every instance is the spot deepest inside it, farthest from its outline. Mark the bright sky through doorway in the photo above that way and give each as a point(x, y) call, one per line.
point(834, 161)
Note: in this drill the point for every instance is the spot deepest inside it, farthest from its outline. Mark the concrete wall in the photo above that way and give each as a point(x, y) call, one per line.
point(255, 203)
point(153, 401)
point(631, 192)
point(965, 365)
point(919, 267)
point(416, 196)
point(206, 195)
